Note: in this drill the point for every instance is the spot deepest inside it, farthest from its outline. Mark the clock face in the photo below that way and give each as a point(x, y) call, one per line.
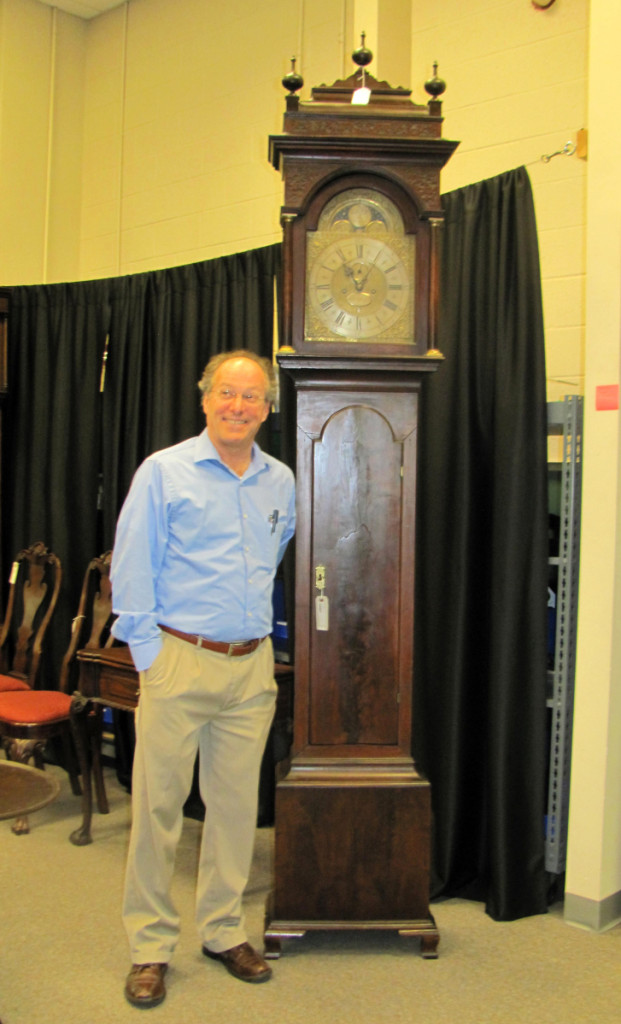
point(358, 288)
point(360, 272)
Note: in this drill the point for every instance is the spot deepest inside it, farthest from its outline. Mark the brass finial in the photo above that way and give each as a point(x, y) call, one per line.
point(293, 79)
point(435, 86)
point(362, 56)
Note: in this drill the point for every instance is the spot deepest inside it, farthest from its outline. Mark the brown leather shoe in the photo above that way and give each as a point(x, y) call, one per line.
point(242, 962)
point(145, 985)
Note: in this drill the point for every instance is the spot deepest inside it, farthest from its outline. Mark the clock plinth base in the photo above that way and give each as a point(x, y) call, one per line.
point(275, 931)
point(351, 852)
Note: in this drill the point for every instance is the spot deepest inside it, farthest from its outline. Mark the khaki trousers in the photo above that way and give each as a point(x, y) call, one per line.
point(194, 699)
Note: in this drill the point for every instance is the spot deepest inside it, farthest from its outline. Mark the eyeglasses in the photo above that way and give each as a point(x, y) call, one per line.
point(248, 397)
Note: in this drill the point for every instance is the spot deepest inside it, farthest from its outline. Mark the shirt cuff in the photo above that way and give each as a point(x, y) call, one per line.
point(145, 653)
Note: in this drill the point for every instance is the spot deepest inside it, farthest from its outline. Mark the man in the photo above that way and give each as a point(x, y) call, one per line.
point(198, 540)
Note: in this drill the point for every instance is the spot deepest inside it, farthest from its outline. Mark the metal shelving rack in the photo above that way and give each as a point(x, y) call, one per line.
point(564, 418)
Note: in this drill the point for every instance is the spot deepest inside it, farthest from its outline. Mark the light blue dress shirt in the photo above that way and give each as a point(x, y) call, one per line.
point(197, 547)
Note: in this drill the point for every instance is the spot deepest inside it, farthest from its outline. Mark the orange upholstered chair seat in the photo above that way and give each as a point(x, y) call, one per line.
point(11, 683)
point(34, 707)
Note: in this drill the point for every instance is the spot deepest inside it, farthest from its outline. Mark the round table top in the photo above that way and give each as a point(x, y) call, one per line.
point(24, 789)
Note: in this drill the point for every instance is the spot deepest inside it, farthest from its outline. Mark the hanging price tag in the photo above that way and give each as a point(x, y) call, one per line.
point(322, 613)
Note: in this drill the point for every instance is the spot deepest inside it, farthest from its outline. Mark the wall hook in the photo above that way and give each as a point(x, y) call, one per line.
point(568, 150)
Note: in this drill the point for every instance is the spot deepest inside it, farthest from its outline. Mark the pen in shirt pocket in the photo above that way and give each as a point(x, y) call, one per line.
point(273, 519)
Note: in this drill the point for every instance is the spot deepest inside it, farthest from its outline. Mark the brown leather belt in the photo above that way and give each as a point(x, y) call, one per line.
point(234, 650)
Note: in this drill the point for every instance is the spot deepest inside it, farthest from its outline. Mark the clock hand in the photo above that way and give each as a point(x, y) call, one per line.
point(364, 279)
point(354, 274)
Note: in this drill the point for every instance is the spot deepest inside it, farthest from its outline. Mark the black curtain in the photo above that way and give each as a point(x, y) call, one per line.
point(480, 702)
point(70, 448)
point(165, 327)
point(51, 443)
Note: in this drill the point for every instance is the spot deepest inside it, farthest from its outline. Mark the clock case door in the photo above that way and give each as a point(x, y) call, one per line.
point(300, 222)
point(356, 470)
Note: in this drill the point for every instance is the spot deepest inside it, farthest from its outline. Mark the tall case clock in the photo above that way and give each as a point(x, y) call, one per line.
point(361, 222)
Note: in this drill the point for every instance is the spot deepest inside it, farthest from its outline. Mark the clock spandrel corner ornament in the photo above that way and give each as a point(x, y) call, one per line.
point(360, 272)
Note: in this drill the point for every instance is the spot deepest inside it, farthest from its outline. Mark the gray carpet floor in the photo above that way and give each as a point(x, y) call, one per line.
point(64, 955)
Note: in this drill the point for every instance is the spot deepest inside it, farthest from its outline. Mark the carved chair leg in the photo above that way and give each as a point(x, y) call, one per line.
point(23, 751)
point(71, 761)
point(80, 707)
point(37, 755)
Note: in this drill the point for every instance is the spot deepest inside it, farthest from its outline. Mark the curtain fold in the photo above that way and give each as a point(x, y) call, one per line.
point(481, 590)
point(51, 442)
point(165, 327)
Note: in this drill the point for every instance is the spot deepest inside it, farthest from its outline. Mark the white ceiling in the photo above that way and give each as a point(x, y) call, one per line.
point(84, 8)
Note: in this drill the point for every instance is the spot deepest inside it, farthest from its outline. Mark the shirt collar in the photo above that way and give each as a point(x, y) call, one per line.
point(206, 452)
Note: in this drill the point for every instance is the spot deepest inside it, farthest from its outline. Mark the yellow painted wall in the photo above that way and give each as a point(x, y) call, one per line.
point(24, 91)
point(62, 232)
point(180, 101)
point(517, 90)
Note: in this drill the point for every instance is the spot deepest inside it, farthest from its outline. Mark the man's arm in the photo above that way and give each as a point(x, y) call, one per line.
point(288, 533)
point(139, 545)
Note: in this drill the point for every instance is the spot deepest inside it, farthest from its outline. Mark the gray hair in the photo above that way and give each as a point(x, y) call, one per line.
point(205, 384)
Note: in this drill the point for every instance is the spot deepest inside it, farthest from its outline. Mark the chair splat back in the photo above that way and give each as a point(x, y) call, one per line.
point(35, 581)
point(91, 625)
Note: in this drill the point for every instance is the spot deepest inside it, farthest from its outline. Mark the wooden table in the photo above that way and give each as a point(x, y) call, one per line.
point(108, 678)
point(24, 789)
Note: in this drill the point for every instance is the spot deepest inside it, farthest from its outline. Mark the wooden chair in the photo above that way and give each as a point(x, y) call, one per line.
point(30, 717)
point(91, 626)
point(33, 591)
point(91, 629)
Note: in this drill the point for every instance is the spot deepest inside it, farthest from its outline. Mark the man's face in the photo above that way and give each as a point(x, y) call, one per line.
point(234, 419)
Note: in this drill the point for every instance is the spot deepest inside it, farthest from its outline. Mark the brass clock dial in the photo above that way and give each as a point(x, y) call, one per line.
point(358, 288)
point(360, 272)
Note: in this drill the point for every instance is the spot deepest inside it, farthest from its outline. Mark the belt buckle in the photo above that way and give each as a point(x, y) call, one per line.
point(250, 644)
